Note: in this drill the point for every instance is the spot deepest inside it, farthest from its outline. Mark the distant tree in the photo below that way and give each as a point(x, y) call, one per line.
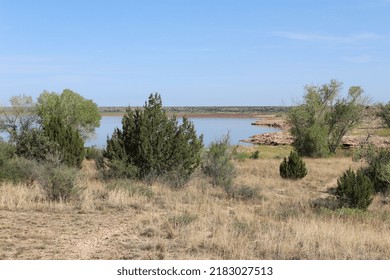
point(152, 144)
point(384, 114)
point(19, 118)
point(74, 110)
point(320, 122)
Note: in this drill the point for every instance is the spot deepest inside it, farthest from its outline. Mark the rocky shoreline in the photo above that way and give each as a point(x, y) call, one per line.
point(285, 138)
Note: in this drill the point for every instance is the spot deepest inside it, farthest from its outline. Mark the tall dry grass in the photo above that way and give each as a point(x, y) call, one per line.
point(131, 220)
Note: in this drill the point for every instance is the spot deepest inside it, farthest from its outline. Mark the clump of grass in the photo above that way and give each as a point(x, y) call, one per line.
point(383, 132)
point(182, 220)
point(245, 193)
point(132, 187)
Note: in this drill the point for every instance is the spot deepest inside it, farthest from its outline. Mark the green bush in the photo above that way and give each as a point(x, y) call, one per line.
point(293, 168)
point(55, 138)
point(255, 155)
point(7, 151)
point(384, 114)
point(118, 168)
point(151, 144)
point(217, 164)
point(93, 153)
point(354, 190)
point(34, 144)
point(17, 170)
point(378, 169)
point(70, 145)
point(58, 182)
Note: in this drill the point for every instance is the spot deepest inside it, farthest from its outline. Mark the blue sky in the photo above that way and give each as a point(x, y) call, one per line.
point(193, 52)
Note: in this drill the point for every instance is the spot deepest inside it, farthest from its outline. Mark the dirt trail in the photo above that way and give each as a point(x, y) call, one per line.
point(36, 235)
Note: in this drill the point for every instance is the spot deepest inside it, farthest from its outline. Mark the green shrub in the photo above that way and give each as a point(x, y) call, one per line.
point(70, 145)
point(93, 153)
point(7, 151)
point(55, 138)
point(151, 144)
point(354, 190)
point(58, 182)
point(378, 169)
point(116, 168)
point(255, 155)
point(34, 144)
point(217, 164)
point(17, 170)
point(384, 114)
point(293, 168)
point(176, 179)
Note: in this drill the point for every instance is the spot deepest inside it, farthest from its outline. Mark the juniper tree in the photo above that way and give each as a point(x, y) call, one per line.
point(293, 168)
point(354, 190)
point(151, 143)
point(68, 142)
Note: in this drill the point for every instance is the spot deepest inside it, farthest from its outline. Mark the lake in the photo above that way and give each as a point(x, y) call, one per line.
point(211, 128)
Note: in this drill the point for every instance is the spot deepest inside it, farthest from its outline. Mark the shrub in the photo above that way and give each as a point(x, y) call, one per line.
point(293, 168)
point(93, 153)
point(384, 114)
point(354, 190)
point(58, 182)
point(17, 170)
point(255, 155)
point(117, 168)
point(7, 151)
point(151, 144)
point(34, 144)
point(55, 138)
point(378, 169)
point(13, 168)
point(245, 193)
point(217, 164)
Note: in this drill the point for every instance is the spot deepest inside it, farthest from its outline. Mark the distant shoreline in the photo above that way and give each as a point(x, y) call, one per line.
point(195, 115)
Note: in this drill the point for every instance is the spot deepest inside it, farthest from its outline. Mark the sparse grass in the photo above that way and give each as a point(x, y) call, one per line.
point(242, 153)
point(383, 132)
point(198, 222)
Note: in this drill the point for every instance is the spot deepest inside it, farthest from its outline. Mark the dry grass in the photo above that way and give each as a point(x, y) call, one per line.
point(135, 221)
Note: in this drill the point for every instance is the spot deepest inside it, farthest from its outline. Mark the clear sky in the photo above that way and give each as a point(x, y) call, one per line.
point(193, 52)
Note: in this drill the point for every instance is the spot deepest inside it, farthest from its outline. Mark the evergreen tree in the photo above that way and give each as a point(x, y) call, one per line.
point(70, 145)
point(293, 167)
point(354, 190)
point(152, 144)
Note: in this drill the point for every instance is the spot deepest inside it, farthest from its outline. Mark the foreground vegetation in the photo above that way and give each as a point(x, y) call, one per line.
point(156, 193)
point(125, 219)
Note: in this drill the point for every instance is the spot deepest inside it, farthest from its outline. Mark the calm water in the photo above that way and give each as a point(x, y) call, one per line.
point(211, 128)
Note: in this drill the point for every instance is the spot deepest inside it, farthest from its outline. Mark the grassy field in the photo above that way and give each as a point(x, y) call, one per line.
point(131, 220)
